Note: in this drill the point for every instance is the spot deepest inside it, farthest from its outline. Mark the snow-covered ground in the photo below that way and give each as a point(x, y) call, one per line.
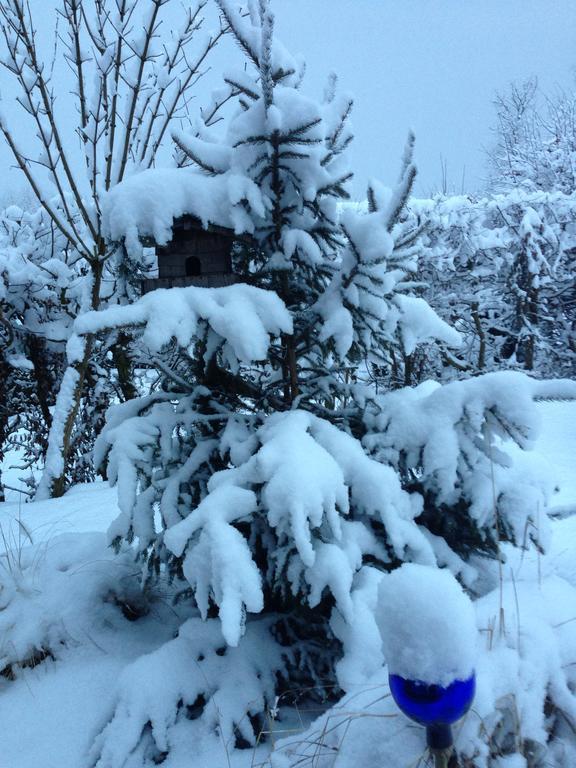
point(558, 444)
point(59, 590)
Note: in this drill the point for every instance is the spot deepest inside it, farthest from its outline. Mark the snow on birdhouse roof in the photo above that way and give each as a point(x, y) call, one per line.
point(146, 205)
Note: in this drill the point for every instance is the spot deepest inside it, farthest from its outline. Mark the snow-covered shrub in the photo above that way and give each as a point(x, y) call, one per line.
point(525, 702)
point(53, 592)
point(535, 140)
point(37, 290)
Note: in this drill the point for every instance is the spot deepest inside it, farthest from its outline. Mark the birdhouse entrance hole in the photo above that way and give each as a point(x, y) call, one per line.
point(193, 267)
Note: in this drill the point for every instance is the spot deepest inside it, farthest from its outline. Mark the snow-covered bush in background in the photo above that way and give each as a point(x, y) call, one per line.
point(38, 292)
point(43, 288)
point(535, 140)
point(501, 270)
point(501, 267)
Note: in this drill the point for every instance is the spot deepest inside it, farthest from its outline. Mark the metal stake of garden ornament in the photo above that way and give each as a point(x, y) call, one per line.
point(435, 707)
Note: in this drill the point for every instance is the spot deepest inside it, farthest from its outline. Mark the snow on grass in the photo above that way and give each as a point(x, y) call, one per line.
point(85, 508)
point(63, 637)
point(49, 712)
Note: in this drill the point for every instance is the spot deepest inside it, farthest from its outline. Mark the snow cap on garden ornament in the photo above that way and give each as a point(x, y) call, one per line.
point(427, 624)
point(429, 639)
point(428, 631)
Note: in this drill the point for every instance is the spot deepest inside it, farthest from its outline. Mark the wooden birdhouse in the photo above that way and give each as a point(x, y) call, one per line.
point(195, 256)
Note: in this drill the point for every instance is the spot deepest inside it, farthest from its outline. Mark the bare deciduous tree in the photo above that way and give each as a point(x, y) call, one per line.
point(131, 80)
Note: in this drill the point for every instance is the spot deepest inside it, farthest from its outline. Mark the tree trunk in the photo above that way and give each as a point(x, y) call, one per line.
point(53, 482)
point(124, 367)
point(481, 336)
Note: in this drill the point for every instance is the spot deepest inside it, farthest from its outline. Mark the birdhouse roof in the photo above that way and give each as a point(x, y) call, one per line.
point(146, 205)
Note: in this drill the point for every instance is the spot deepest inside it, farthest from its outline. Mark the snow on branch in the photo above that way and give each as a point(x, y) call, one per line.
point(365, 304)
point(220, 564)
point(212, 158)
point(453, 439)
point(248, 33)
point(243, 316)
point(191, 673)
point(302, 480)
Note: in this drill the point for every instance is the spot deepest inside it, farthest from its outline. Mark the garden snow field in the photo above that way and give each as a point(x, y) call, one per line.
point(56, 591)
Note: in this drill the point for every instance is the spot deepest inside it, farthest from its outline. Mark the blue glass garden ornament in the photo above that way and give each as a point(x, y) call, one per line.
point(434, 706)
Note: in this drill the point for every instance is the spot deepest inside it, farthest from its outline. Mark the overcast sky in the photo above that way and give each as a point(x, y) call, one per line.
point(430, 65)
point(434, 66)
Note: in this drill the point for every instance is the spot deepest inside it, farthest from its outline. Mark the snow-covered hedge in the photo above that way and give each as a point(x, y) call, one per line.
point(500, 269)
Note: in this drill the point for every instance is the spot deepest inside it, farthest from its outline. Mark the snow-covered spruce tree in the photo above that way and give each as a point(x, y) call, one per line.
point(265, 476)
point(127, 88)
